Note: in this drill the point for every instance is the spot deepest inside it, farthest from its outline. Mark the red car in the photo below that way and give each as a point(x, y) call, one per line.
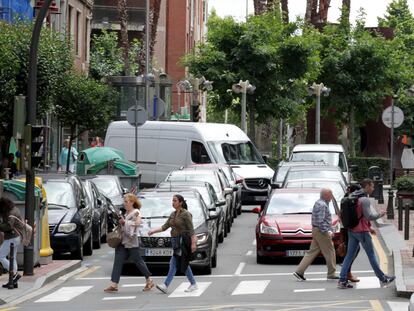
point(284, 228)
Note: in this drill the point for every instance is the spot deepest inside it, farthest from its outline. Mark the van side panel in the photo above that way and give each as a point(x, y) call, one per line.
point(172, 154)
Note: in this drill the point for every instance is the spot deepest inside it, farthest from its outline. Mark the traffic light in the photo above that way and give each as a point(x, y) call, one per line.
point(196, 113)
point(33, 143)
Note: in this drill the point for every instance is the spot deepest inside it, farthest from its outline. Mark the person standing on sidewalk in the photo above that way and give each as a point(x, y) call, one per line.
point(321, 238)
point(184, 243)
point(361, 234)
point(129, 247)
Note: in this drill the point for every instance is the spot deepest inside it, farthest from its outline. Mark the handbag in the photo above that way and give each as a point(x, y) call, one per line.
point(341, 250)
point(25, 231)
point(114, 238)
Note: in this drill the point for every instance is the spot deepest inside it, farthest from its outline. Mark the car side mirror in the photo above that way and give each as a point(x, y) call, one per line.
point(82, 204)
point(265, 158)
point(228, 190)
point(99, 202)
point(275, 186)
point(220, 202)
point(213, 215)
point(257, 210)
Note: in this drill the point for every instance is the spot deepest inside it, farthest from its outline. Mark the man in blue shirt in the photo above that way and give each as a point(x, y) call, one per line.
point(321, 238)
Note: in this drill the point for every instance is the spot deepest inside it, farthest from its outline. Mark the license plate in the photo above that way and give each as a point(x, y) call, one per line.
point(295, 253)
point(260, 198)
point(158, 252)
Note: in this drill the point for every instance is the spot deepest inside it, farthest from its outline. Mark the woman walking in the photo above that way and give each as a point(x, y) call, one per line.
point(11, 224)
point(184, 243)
point(129, 247)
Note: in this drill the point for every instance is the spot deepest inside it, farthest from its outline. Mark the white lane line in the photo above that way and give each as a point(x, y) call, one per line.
point(398, 305)
point(120, 298)
point(309, 290)
point(179, 291)
point(64, 294)
point(133, 285)
point(250, 287)
point(240, 268)
point(254, 242)
point(249, 253)
point(368, 282)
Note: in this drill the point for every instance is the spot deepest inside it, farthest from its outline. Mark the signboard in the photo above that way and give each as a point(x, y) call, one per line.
point(398, 117)
point(136, 115)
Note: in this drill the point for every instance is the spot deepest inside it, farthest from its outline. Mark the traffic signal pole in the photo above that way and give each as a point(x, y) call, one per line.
point(30, 120)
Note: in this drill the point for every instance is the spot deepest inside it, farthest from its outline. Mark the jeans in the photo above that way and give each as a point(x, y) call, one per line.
point(5, 250)
point(122, 253)
point(354, 239)
point(173, 268)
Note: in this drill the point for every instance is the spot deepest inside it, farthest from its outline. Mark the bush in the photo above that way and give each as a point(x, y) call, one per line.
point(404, 183)
point(364, 163)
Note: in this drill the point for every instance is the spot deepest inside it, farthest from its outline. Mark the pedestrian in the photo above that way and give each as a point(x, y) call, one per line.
point(322, 233)
point(361, 234)
point(64, 157)
point(97, 142)
point(10, 226)
point(129, 247)
point(184, 243)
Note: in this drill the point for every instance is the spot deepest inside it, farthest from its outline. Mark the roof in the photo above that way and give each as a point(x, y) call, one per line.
point(314, 168)
point(300, 163)
point(167, 192)
point(318, 147)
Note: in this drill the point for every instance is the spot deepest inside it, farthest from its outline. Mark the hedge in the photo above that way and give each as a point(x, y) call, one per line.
point(364, 163)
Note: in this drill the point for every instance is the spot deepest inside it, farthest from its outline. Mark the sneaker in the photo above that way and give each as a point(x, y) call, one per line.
point(344, 285)
point(162, 287)
point(191, 288)
point(387, 280)
point(300, 277)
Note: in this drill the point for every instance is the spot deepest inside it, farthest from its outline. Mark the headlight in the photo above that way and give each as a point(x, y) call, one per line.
point(268, 230)
point(337, 228)
point(67, 228)
point(202, 238)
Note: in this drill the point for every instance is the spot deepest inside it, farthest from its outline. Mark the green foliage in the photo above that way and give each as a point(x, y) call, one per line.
point(405, 183)
point(364, 163)
point(85, 104)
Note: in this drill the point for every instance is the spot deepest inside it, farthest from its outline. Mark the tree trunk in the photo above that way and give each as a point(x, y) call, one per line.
point(285, 11)
point(155, 7)
point(323, 10)
point(308, 14)
point(252, 122)
point(345, 12)
point(259, 7)
point(123, 20)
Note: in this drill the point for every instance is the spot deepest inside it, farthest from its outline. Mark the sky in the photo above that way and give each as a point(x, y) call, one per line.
point(373, 9)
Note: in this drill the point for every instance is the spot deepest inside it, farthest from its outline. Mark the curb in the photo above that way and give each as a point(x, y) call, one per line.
point(44, 280)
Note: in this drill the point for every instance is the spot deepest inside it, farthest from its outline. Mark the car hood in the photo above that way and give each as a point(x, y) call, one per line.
point(293, 222)
point(253, 171)
point(60, 214)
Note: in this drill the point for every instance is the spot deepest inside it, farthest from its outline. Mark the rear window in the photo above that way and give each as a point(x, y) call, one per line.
point(329, 158)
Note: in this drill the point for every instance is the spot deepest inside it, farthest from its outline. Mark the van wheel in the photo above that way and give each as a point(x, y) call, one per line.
point(78, 253)
point(88, 247)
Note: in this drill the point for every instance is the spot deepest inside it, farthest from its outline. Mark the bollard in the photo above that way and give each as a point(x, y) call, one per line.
point(400, 216)
point(390, 206)
point(10, 284)
point(407, 222)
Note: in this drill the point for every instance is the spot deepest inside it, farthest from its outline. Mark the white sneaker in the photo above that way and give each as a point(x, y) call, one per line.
point(191, 288)
point(162, 288)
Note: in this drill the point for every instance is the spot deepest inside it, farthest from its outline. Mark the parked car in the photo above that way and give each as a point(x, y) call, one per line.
point(209, 196)
point(315, 172)
point(111, 187)
point(156, 208)
point(284, 227)
point(337, 187)
point(100, 213)
point(212, 177)
point(70, 215)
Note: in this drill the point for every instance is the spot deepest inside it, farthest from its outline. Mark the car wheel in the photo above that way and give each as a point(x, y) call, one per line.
point(88, 246)
point(97, 243)
point(220, 237)
point(78, 253)
point(239, 210)
point(214, 259)
point(207, 269)
point(260, 259)
point(228, 226)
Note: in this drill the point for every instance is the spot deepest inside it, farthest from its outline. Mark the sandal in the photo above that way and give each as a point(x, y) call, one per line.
point(111, 289)
point(148, 286)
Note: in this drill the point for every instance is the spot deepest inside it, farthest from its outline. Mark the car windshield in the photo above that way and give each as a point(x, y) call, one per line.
point(329, 158)
point(195, 176)
point(60, 193)
point(337, 190)
point(107, 186)
point(294, 203)
point(235, 153)
point(281, 173)
point(158, 207)
point(314, 174)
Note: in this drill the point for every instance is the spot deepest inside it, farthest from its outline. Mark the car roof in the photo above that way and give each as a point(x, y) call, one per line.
point(301, 163)
point(192, 171)
point(167, 192)
point(172, 183)
point(315, 168)
point(296, 190)
point(318, 148)
point(338, 181)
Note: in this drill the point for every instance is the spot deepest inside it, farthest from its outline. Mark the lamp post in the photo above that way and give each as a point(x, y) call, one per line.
point(243, 87)
point(205, 86)
point(318, 89)
point(185, 87)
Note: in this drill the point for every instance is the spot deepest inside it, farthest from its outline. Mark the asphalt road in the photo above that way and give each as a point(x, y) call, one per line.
point(238, 283)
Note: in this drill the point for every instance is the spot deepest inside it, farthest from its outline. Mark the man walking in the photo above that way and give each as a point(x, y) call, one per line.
point(321, 238)
point(361, 234)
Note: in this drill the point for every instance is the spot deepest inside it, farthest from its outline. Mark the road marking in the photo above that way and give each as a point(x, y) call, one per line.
point(119, 298)
point(240, 268)
point(9, 309)
point(64, 294)
point(368, 282)
point(179, 291)
point(396, 305)
point(316, 279)
point(133, 285)
point(250, 287)
point(376, 305)
point(309, 290)
point(89, 271)
point(383, 261)
point(249, 253)
point(254, 242)
point(73, 273)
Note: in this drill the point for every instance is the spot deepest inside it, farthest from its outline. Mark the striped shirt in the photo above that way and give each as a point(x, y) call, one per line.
point(321, 216)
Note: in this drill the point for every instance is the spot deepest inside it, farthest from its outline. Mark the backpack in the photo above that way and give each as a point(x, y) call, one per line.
point(25, 231)
point(349, 215)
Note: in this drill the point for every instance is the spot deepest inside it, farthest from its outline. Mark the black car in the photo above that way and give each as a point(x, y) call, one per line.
point(111, 187)
point(70, 215)
point(100, 213)
point(155, 210)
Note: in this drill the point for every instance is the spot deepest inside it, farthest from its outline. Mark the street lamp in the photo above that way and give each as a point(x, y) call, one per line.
point(206, 86)
point(243, 87)
point(183, 86)
point(318, 89)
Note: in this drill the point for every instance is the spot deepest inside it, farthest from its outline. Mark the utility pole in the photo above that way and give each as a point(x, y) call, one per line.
point(318, 89)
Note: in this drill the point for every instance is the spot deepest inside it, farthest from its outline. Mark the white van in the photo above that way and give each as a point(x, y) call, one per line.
point(328, 153)
point(166, 146)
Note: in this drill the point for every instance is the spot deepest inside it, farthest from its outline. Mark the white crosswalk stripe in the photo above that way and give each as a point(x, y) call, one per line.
point(251, 287)
point(398, 305)
point(368, 282)
point(65, 294)
point(180, 290)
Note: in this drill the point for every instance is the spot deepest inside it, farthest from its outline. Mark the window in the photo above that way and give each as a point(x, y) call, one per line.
point(70, 22)
point(77, 33)
point(86, 38)
point(199, 153)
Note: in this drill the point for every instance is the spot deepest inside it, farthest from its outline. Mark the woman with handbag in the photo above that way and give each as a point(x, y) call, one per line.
point(184, 243)
point(10, 226)
point(129, 245)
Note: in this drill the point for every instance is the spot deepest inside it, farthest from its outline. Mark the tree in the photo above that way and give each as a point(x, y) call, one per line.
point(84, 104)
point(123, 20)
point(317, 11)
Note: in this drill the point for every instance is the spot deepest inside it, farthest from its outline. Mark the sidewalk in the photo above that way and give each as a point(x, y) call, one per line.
point(400, 249)
point(42, 276)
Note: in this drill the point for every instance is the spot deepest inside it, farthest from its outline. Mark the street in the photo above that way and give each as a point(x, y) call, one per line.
point(238, 283)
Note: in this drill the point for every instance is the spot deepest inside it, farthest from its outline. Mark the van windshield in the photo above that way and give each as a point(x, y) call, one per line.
point(235, 153)
point(329, 158)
